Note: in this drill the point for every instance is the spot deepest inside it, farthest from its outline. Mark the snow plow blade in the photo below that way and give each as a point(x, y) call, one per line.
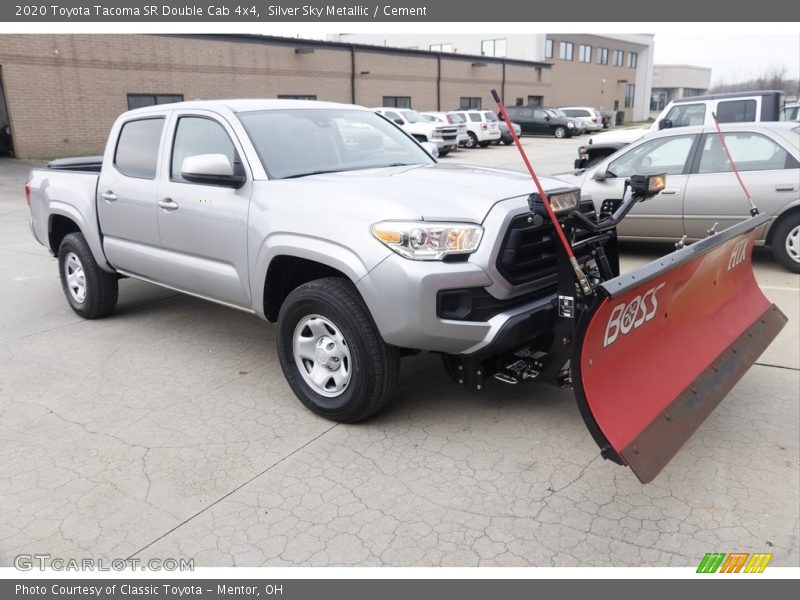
point(664, 344)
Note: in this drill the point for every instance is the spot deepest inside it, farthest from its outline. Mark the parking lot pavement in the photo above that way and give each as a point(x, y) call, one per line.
point(167, 430)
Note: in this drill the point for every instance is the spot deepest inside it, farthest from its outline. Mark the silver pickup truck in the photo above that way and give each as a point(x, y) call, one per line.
point(324, 218)
point(337, 225)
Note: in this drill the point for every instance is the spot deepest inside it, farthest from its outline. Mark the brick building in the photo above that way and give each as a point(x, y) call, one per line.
point(60, 93)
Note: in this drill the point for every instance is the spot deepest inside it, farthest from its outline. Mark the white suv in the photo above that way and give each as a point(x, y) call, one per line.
point(482, 127)
point(590, 117)
point(444, 137)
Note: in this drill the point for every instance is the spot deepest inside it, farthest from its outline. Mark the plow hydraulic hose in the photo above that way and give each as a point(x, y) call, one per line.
point(753, 207)
point(583, 281)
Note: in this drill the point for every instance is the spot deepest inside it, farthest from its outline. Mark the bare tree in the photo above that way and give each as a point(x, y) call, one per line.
point(773, 78)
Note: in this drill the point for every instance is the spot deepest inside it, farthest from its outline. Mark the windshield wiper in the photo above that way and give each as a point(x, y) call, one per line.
point(318, 172)
point(324, 171)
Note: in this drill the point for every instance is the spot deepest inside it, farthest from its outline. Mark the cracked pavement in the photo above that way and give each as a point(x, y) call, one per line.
point(167, 430)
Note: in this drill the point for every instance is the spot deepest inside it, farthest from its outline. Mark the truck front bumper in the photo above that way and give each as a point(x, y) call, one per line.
point(403, 297)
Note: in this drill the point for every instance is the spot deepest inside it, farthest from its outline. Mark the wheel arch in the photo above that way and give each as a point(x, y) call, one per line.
point(787, 212)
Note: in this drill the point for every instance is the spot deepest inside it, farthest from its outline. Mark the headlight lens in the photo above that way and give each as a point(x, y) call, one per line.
point(562, 200)
point(570, 124)
point(428, 241)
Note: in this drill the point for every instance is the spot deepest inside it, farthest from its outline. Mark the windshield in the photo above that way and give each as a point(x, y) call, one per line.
point(299, 142)
point(556, 113)
point(412, 116)
point(457, 118)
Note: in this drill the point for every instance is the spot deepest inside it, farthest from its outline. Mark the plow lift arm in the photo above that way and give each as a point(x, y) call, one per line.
point(655, 350)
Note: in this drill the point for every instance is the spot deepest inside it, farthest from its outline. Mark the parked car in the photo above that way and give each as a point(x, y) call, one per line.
point(451, 119)
point(482, 127)
point(734, 107)
point(790, 112)
point(702, 188)
point(445, 137)
point(590, 117)
point(538, 121)
point(580, 128)
point(505, 134)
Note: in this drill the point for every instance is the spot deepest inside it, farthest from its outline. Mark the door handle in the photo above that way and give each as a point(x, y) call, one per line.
point(108, 196)
point(784, 188)
point(167, 204)
point(670, 191)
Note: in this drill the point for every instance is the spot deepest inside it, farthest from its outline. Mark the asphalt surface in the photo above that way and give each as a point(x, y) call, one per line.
point(167, 430)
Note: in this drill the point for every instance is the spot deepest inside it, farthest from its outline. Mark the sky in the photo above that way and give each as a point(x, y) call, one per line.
point(732, 58)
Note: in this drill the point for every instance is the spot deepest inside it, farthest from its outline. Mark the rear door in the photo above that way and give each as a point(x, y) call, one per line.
point(713, 192)
point(660, 217)
point(204, 227)
point(126, 203)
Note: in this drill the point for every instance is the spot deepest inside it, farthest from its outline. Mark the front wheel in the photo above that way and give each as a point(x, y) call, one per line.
point(90, 291)
point(560, 132)
point(786, 242)
point(332, 354)
point(484, 144)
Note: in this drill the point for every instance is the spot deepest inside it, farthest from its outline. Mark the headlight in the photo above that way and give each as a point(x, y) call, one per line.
point(428, 241)
point(562, 200)
point(648, 185)
point(570, 124)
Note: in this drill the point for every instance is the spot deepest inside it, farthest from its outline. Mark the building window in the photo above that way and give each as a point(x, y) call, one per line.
point(618, 55)
point(565, 51)
point(602, 56)
point(633, 59)
point(584, 53)
point(493, 48)
point(470, 103)
point(548, 48)
point(689, 92)
point(442, 47)
point(297, 97)
point(630, 90)
point(538, 71)
point(140, 100)
point(397, 101)
point(535, 100)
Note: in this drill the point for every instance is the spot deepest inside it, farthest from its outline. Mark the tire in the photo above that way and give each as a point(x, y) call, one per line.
point(333, 318)
point(786, 242)
point(508, 142)
point(472, 141)
point(90, 291)
point(560, 132)
point(443, 152)
point(484, 144)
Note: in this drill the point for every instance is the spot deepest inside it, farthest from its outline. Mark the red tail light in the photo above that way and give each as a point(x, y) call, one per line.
point(594, 119)
point(484, 126)
point(28, 192)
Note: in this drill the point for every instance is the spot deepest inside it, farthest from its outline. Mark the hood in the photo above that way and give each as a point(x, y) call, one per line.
point(439, 192)
point(572, 178)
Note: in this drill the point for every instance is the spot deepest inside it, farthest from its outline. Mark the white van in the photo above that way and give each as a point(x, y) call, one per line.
point(733, 107)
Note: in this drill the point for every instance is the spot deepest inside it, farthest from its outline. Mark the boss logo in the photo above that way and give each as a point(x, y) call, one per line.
point(628, 316)
point(738, 255)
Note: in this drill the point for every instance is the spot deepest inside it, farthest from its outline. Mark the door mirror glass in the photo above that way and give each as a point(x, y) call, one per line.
point(665, 124)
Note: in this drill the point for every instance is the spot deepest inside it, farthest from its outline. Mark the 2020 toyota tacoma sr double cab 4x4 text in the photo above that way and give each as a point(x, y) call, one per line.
point(337, 225)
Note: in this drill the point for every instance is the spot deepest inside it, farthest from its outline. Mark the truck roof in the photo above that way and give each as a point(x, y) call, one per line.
point(245, 105)
point(725, 95)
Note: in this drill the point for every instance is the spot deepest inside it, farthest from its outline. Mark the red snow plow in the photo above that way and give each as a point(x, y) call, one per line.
point(652, 352)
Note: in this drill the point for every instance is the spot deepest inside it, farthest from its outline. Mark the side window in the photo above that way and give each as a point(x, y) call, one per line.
point(474, 117)
point(736, 111)
point(686, 115)
point(663, 155)
point(199, 135)
point(392, 116)
point(137, 148)
point(750, 152)
point(539, 115)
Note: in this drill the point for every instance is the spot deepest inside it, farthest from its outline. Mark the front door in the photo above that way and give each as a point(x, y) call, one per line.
point(662, 215)
point(204, 227)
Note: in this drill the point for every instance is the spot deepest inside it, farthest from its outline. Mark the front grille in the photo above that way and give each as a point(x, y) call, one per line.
point(530, 252)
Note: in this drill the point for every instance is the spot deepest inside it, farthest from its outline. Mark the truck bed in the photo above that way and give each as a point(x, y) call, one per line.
point(90, 164)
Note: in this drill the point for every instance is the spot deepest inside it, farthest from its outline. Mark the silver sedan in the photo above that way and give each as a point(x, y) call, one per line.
point(702, 188)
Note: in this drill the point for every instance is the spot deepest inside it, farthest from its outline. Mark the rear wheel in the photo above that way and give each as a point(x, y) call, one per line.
point(786, 242)
point(483, 144)
point(90, 291)
point(332, 354)
point(472, 141)
point(560, 132)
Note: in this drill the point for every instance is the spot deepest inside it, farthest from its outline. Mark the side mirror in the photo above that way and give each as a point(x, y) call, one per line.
point(398, 121)
point(430, 148)
point(665, 124)
point(547, 117)
point(210, 169)
point(600, 175)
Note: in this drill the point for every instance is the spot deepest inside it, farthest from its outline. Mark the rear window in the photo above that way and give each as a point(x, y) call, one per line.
point(736, 111)
point(489, 116)
point(575, 112)
point(137, 148)
point(474, 117)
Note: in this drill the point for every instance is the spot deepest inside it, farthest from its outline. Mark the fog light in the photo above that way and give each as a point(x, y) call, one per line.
point(648, 185)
